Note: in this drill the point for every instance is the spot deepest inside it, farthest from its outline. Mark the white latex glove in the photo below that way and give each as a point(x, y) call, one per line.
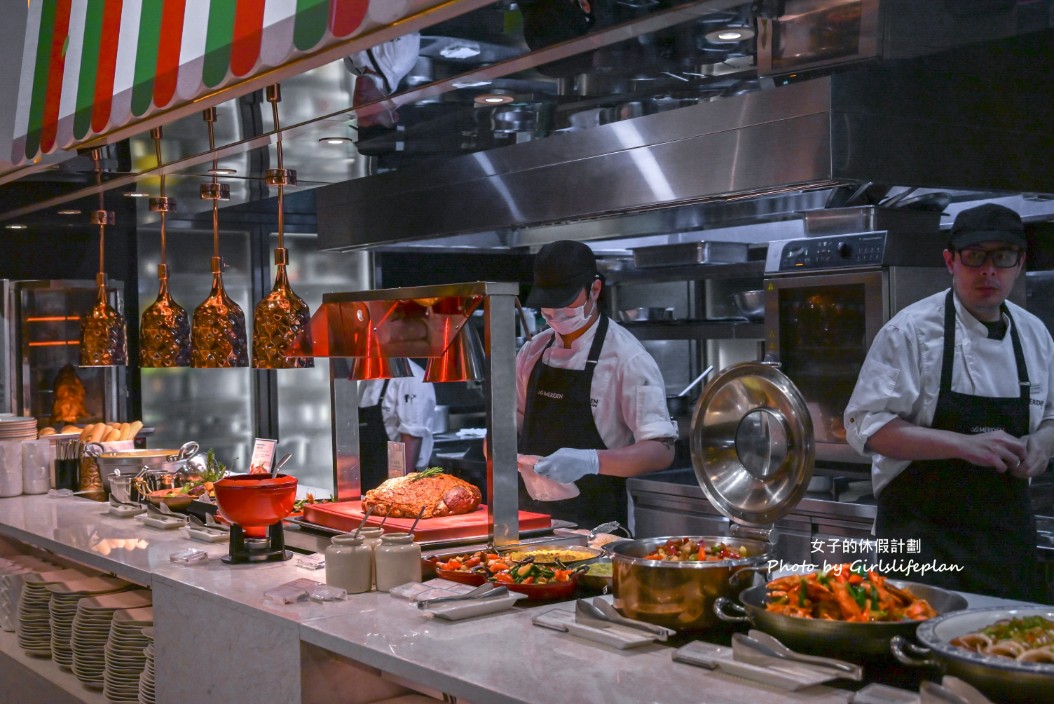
point(568, 464)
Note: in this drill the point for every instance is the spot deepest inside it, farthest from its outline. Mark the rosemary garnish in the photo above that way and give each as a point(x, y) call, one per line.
point(430, 472)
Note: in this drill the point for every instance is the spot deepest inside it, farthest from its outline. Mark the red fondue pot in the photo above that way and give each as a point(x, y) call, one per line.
point(255, 501)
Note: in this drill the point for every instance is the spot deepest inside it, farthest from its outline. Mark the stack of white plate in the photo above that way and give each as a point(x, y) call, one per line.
point(34, 619)
point(91, 631)
point(63, 607)
point(146, 680)
point(11, 570)
point(18, 428)
point(126, 654)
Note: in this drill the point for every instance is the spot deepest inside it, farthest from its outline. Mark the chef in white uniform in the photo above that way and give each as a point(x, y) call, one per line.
point(402, 410)
point(955, 405)
point(590, 400)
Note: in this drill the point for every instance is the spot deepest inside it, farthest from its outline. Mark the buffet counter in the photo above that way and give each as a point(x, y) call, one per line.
point(218, 639)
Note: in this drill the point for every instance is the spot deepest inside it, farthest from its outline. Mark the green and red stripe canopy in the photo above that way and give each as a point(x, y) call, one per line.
point(90, 67)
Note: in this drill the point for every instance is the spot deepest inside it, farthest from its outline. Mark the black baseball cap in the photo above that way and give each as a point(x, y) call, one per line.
point(987, 223)
point(561, 270)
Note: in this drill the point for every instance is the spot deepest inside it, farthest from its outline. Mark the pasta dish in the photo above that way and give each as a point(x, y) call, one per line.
point(1029, 639)
point(845, 594)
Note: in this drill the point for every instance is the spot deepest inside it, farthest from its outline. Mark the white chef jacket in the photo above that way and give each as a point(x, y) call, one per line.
point(408, 408)
point(628, 395)
point(902, 372)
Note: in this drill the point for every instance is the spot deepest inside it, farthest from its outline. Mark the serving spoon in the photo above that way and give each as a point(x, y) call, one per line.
point(281, 463)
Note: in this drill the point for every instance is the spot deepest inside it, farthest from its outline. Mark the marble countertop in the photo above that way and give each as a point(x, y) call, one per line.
point(499, 658)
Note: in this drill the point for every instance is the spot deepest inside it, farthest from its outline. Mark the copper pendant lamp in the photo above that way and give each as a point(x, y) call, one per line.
point(281, 315)
point(217, 335)
point(104, 334)
point(164, 330)
point(463, 359)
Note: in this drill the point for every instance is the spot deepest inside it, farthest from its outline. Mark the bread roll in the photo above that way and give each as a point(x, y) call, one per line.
point(132, 430)
point(86, 432)
point(98, 432)
point(112, 435)
point(70, 429)
point(45, 431)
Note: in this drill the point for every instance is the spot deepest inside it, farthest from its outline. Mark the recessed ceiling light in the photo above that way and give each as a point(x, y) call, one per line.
point(221, 172)
point(69, 211)
point(495, 97)
point(470, 84)
point(730, 35)
point(136, 194)
point(15, 227)
point(334, 140)
point(460, 50)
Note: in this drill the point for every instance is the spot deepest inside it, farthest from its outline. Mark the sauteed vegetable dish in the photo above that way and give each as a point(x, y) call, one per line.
point(684, 549)
point(845, 594)
point(1029, 639)
point(532, 573)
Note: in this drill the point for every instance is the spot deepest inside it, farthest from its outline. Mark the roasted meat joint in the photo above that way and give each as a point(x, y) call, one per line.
point(603, 351)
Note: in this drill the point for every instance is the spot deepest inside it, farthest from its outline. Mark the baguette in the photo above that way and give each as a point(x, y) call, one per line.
point(112, 435)
point(98, 432)
point(132, 430)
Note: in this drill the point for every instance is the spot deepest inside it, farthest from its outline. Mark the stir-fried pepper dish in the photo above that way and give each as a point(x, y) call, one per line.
point(684, 549)
point(845, 594)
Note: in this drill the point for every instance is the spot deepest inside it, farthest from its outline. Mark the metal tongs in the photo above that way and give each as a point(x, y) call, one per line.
point(760, 648)
point(601, 613)
point(483, 591)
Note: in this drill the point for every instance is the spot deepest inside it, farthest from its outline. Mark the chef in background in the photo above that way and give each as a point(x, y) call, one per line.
point(954, 403)
point(400, 409)
point(590, 400)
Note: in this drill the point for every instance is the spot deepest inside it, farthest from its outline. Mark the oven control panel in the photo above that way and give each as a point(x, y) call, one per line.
point(830, 252)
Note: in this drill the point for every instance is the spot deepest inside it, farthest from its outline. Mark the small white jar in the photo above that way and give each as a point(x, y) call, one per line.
point(398, 561)
point(371, 537)
point(349, 565)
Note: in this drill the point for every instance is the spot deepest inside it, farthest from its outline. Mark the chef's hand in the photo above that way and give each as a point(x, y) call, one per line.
point(568, 464)
point(996, 449)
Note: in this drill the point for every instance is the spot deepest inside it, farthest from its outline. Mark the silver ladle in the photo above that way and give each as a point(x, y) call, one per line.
point(281, 463)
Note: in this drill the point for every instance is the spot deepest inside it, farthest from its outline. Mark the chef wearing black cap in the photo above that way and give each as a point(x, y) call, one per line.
point(954, 402)
point(590, 400)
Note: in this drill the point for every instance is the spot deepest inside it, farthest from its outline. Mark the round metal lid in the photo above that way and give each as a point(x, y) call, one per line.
point(752, 443)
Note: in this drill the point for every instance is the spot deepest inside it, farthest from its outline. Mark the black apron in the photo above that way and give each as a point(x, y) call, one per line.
point(373, 444)
point(963, 514)
point(559, 413)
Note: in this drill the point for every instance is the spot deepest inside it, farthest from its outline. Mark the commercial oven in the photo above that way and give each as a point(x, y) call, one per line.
point(826, 298)
point(41, 338)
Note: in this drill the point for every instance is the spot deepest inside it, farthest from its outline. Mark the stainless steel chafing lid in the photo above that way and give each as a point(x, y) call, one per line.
point(752, 445)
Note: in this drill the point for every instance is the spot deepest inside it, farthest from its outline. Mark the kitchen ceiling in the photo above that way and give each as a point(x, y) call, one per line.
point(638, 57)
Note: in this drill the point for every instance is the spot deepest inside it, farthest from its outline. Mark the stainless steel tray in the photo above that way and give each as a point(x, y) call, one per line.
point(466, 540)
point(690, 253)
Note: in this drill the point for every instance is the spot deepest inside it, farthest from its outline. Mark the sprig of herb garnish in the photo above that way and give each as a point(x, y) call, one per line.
point(430, 472)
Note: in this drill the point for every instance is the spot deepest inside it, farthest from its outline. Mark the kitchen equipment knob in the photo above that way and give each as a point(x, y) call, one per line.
point(844, 250)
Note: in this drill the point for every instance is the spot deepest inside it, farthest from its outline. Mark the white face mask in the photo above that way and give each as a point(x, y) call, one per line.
point(567, 320)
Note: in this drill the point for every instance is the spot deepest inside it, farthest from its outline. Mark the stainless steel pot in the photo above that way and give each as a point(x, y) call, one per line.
point(1002, 679)
point(848, 641)
point(135, 461)
point(680, 595)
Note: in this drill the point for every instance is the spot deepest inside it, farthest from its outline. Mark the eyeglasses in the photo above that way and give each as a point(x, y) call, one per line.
point(1002, 258)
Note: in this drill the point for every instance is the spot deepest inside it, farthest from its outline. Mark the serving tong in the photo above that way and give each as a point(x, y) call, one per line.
point(486, 590)
point(600, 613)
point(759, 648)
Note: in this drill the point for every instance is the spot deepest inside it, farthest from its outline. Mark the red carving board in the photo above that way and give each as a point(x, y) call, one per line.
point(347, 515)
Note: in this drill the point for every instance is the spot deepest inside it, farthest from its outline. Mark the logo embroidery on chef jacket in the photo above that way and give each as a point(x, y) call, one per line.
point(594, 402)
point(551, 394)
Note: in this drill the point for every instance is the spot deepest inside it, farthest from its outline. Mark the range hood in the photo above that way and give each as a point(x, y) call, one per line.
point(939, 121)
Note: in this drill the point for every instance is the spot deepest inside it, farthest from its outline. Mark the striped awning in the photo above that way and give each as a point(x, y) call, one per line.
point(90, 67)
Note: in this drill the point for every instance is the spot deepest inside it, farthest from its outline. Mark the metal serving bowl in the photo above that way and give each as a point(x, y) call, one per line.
point(751, 304)
point(1002, 679)
point(849, 641)
point(679, 595)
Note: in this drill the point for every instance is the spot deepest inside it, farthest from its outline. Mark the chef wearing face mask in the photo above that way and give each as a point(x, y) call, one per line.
point(590, 400)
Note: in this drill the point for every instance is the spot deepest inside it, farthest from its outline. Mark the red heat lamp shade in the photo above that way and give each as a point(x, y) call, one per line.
point(255, 500)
